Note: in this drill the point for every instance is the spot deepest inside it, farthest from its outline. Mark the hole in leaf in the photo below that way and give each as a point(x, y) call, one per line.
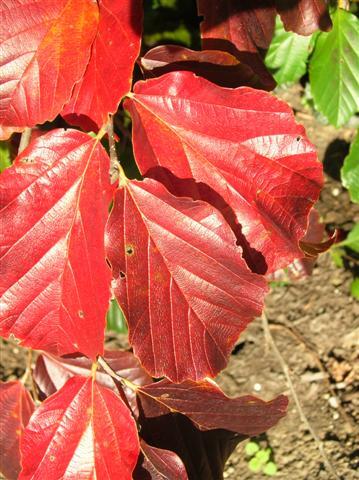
point(81, 314)
point(122, 275)
point(298, 139)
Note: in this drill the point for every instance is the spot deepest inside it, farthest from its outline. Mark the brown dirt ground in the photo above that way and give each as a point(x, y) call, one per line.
point(315, 324)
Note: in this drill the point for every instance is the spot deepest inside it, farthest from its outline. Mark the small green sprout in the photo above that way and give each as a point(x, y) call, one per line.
point(261, 460)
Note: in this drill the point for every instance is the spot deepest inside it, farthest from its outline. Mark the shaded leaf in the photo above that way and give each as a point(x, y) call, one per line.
point(5, 155)
point(334, 69)
point(240, 28)
point(82, 431)
point(116, 321)
point(350, 171)
point(217, 66)
point(16, 408)
point(209, 408)
point(354, 288)
point(287, 55)
point(45, 47)
point(252, 160)
point(51, 373)
point(304, 16)
point(109, 73)
point(55, 282)
point(180, 279)
point(159, 464)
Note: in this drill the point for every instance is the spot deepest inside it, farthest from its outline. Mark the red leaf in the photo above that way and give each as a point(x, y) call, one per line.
point(55, 281)
point(245, 145)
point(209, 408)
point(109, 72)
point(248, 25)
point(82, 431)
point(45, 47)
point(217, 66)
point(304, 16)
point(51, 373)
point(16, 407)
point(182, 283)
point(159, 464)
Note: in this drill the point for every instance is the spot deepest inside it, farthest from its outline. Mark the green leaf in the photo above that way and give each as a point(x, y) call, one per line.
point(287, 55)
point(263, 455)
point(255, 465)
point(270, 469)
point(337, 256)
point(352, 240)
point(350, 170)
point(251, 448)
point(5, 158)
point(354, 288)
point(115, 318)
point(334, 69)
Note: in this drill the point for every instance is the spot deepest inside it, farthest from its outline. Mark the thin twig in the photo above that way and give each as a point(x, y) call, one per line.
point(28, 374)
point(25, 139)
point(304, 419)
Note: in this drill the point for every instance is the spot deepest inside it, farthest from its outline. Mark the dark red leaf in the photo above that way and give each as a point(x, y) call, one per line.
point(159, 464)
point(51, 372)
point(244, 145)
point(304, 16)
point(180, 279)
point(45, 47)
point(109, 73)
point(82, 431)
point(217, 66)
point(209, 408)
point(16, 408)
point(55, 281)
point(203, 453)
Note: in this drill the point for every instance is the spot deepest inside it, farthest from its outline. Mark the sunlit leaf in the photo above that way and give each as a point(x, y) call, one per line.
point(55, 282)
point(180, 279)
point(45, 47)
point(82, 431)
point(350, 171)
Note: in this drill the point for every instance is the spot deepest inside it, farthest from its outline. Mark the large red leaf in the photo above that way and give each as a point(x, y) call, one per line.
point(245, 145)
point(185, 290)
point(54, 285)
point(209, 408)
point(84, 431)
point(109, 73)
point(51, 372)
point(16, 408)
point(45, 47)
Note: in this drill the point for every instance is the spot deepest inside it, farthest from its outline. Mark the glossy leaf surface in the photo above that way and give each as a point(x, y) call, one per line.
point(209, 408)
point(55, 282)
point(350, 170)
point(287, 55)
point(159, 464)
point(109, 73)
point(216, 66)
point(45, 47)
point(334, 69)
point(184, 288)
point(244, 146)
point(16, 408)
point(82, 431)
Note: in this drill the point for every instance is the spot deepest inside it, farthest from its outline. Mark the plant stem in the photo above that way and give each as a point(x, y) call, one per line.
point(25, 139)
point(319, 443)
point(114, 163)
point(109, 370)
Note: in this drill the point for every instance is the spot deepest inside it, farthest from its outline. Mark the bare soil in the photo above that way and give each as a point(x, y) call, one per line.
point(315, 325)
